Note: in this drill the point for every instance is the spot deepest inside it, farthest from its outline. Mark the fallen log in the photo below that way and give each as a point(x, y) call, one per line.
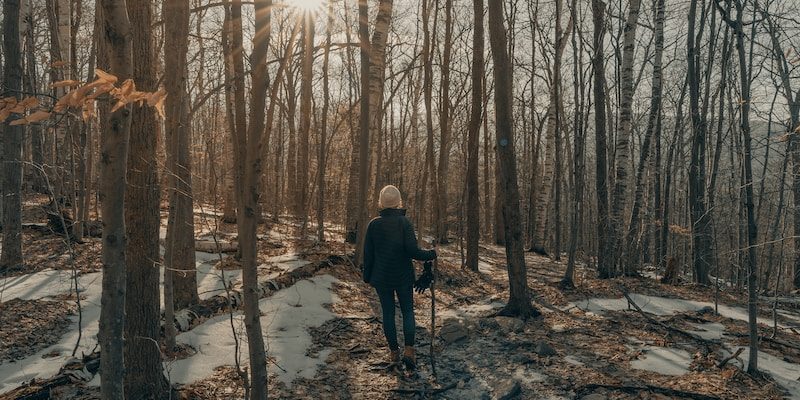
point(690, 335)
point(75, 370)
point(210, 246)
point(729, 358)
point(673, 393)
point(187, 318)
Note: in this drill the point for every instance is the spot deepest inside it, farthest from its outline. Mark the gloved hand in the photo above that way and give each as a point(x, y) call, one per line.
point(424, 281)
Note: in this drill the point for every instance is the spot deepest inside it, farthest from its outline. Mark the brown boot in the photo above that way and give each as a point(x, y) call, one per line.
point(409, 358)
point(394, 356)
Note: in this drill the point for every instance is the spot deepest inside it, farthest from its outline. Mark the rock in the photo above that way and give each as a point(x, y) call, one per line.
point(452, 331)
point(705, 310)
point(510, 324)
point(595, 396)
point(545, 350)
point(508, 390)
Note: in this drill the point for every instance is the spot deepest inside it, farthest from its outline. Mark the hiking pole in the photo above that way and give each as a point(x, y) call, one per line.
point(433, 306)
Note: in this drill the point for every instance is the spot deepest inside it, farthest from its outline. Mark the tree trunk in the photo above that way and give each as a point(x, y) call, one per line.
point(114, 154)
point(476, 113)
point(305, 119)
point(622, 147)
point(363, 125)
point(701, 241)
point(605, 263)
point(11, 253)
point(519, 302)
point(249, 148)
point(323, 133)
point(144, 377)
point(445, 124)
point(632, 242)
point(179, 255)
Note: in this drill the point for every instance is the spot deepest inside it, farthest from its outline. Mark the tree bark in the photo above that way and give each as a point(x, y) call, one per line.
point(519, 303)
point(11, 254)
point(249, 149)
point(622, 148)
point(179, 254)
point(363, 125)
point(605, 266)
point(113, 157)
point(144, 377)
point(476, 114)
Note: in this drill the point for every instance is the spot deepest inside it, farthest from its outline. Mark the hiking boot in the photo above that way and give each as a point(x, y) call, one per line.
point(409, 358)
point(394, 356)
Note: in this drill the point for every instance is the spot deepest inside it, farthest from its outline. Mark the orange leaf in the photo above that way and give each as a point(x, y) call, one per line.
point(127, 88)
point(21, 121)
point(88, 110)
point(117, 106)
point(38, 116)
point(66, 83)
point(105, 76)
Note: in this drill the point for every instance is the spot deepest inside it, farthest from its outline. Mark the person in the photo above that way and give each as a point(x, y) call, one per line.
point(389, 246)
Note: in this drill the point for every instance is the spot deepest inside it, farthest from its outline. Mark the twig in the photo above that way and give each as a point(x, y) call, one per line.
point(426, 391)
point(728, 359)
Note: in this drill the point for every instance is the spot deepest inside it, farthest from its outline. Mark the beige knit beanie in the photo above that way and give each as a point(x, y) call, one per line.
point(390, 198)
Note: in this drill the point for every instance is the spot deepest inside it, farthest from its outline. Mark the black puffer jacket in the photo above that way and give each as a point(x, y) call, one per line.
point(388, 249)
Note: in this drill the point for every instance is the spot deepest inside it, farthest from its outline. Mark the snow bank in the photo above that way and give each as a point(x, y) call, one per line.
point(12, 374)
point(287, 316)
point(708, 331)
point(663, 360)
point(660, 306)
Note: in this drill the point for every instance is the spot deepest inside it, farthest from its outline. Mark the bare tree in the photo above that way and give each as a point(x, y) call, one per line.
point(519, 302)
point(476, 113)
point(116, 30)
point(11, 254)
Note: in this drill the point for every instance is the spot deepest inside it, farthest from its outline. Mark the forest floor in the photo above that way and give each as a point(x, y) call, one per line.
point(323, 330)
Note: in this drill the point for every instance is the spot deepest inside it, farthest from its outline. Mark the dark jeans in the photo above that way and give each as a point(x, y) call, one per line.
point(405, 296)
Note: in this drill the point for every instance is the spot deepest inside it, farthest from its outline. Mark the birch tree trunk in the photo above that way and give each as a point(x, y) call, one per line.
point(114, 154)
point(632, 241)
point(622, 147)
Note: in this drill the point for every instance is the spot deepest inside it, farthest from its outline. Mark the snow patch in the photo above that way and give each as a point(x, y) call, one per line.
point(709, 331)
point(660, 306)
point(12, 374)
point(46, 283)
point(785, 373)
point(287, 315)
point(663, 360)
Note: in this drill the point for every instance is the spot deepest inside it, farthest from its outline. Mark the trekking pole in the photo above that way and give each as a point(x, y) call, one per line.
point(433, 307)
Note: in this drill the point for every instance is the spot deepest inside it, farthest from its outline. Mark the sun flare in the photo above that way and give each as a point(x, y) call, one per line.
point(307, 5)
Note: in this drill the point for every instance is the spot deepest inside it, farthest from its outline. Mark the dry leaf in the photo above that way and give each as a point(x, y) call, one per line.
point(21, 121)
point(38, 116)
point(105, 76)
point(88, 110)
point(65, 83)
point(58, 64)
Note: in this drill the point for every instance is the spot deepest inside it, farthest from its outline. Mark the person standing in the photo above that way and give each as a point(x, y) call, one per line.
point(389, 247)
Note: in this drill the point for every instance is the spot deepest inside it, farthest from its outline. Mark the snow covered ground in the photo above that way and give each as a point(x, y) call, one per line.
point(48, 361)
point(287, 316)
point(661, 306)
